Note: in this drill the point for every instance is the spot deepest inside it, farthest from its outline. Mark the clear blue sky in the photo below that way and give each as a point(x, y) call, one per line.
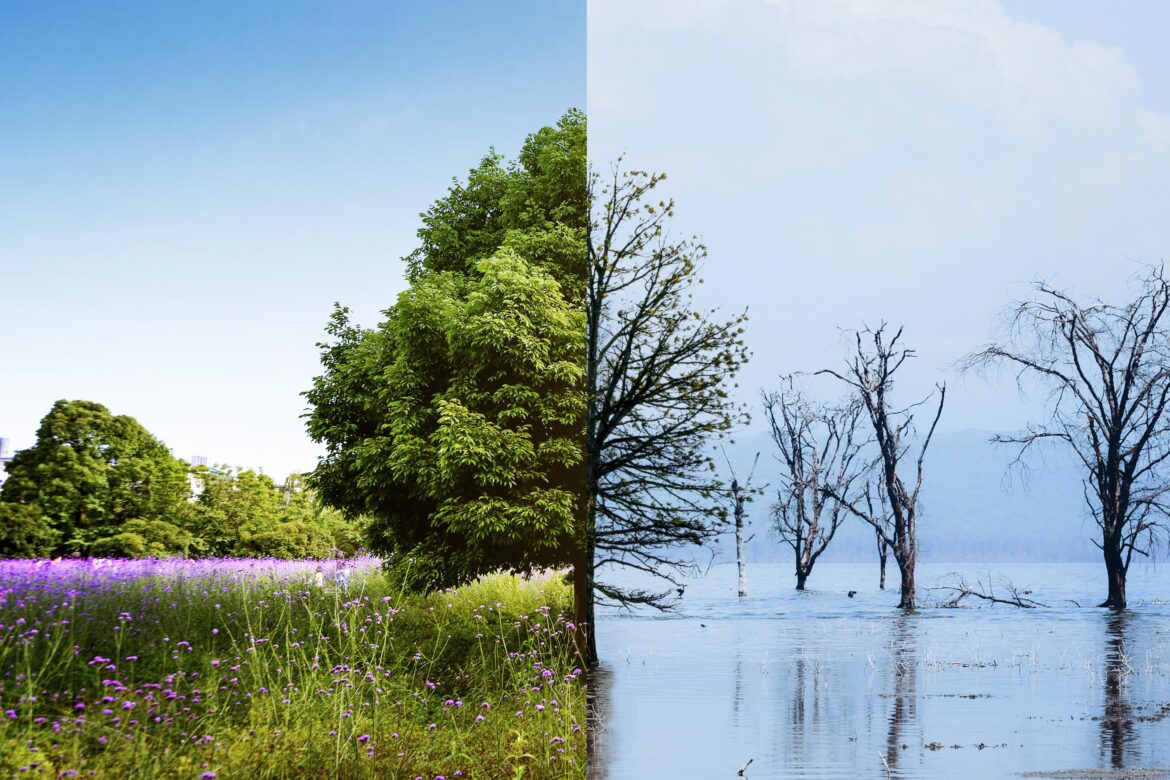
point(918, 161)
point(185, 189)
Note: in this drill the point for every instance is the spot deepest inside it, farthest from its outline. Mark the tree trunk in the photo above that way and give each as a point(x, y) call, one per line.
point(801, 576)
point(583, 606)
point(882, 569)
point(907, 570)
point(1115, 571)
point(739, 547)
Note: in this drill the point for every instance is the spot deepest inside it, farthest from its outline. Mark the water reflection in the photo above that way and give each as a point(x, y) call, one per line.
point(827, 687)
point(737, 699)
point(1117, 722)
point(904, 714)
point(597, 702)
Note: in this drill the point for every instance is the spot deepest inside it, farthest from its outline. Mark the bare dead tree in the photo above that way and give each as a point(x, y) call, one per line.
point(880, 520)
point(1108, 371)
point(740, 495)
point(870, 372)
point(658, 370)
point(821, 466)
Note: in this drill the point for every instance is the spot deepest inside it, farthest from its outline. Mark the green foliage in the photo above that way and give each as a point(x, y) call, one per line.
point(102, 485)
point(162, 538)
point(457, 424)
point(543, 190)
point(90, 471)
point(24, 532)
point(293, 679)
point(122, 545)
point(301, 504)
point(288, 540)
point(233, 504)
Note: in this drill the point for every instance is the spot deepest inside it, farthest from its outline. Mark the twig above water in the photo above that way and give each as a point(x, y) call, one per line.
point(963, 590)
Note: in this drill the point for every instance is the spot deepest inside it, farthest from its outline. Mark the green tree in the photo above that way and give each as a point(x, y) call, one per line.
point(295, 539)
point(457, 425)
point(232, 505)
point(91, 471)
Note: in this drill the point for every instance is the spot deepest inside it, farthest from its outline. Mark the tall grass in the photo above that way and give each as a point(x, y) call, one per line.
point(237, 670)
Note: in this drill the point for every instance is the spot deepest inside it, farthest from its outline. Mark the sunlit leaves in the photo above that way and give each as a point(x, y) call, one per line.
point(457, 423)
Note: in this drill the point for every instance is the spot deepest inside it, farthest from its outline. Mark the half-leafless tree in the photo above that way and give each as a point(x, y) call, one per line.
point(658, 372)
point(821, 468)
point(870, 372)
point(1107, 368)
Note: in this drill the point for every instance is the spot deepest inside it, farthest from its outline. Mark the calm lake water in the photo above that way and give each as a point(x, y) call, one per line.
point(820, 685)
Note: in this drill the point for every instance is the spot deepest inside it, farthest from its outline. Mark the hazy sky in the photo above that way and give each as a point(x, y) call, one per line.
point(919, 161)
point(185, 189)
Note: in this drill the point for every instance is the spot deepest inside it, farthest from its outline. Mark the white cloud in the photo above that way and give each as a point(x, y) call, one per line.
point(913, 160)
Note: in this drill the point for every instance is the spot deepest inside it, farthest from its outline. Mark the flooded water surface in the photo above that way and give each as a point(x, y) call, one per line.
point(818, 684)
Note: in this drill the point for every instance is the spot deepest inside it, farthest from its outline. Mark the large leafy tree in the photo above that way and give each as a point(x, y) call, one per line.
point(91, 471)
point(457, 424)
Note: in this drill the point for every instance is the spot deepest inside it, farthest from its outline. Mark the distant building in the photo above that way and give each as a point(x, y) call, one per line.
point(5, 456)
point(194, 482)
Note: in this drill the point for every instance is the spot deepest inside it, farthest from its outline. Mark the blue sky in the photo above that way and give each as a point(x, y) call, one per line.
point(919, 161)
point(185, 189)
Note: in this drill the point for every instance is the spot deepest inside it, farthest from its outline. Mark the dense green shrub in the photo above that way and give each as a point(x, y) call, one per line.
point(123, 545)
point(25, 531)
point(289, 540)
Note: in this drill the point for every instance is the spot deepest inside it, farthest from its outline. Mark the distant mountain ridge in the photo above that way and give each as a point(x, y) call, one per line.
point(974, 507)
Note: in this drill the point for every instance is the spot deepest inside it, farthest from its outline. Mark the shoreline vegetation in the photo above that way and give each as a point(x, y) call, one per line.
point(223, 668)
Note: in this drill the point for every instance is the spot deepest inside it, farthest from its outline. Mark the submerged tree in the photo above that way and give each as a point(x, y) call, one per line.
point(870, 372)
point(1108, 370)
point(822, 469)
point(740, 495)
point(457, 425)
point(882, 524)
point(657, 374)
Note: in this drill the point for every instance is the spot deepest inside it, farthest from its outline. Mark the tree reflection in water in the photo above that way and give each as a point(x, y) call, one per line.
point(598, 698)
point(1117, 721)
point(904, 668)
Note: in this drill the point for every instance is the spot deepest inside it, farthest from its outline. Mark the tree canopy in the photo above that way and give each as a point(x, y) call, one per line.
point(99, 484)
point(90, 472)
point(457, 423)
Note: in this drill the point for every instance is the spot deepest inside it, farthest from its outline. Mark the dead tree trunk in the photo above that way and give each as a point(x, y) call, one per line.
point(1115, 570)
point(883, 550)
point(740, 495)
point(870, 372)
point(739, 559)
point(1108, 369)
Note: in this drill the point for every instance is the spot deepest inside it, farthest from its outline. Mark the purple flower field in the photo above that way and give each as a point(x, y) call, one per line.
point(240, 667)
